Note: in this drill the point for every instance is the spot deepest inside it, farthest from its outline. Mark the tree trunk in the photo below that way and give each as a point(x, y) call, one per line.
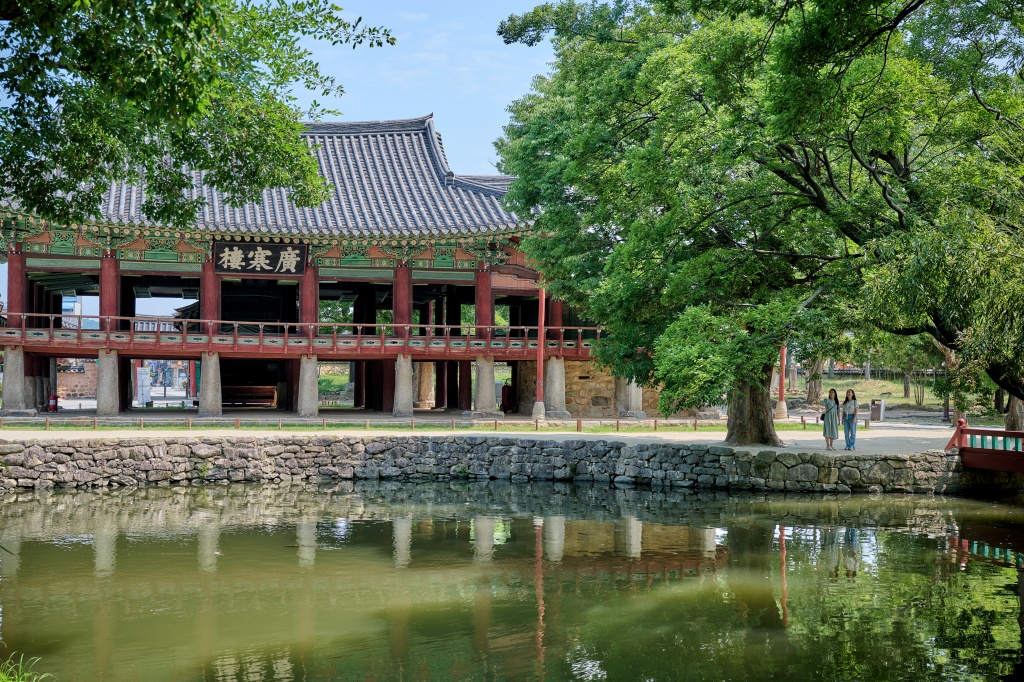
point(1015, 415)
point(1000, 400)
point(751, 420)
point(952, 363)
point(814, 383)
point(867, 369)
point(906, 384)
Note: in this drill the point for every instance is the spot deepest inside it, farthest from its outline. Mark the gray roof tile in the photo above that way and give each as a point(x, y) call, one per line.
point(389, 179)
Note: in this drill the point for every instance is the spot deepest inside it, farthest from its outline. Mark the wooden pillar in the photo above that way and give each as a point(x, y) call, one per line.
point(209, 293)
point(483, 300)
point(57, 309)
point(359, 383)
point(440, 385)
point(309, 297)
point(192, 393)
point(15, 286)
point(554, 319)
point(465, 385)
point(440, 368)
point(541, 336)
point(126, 302)
point(109, 290)
point(401, 298)
point(387, 384)
point(452, 319)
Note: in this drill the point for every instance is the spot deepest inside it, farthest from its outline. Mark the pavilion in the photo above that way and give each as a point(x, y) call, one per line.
point(403, 239)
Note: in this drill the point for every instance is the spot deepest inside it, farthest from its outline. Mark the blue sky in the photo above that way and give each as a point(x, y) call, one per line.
point(448, 60)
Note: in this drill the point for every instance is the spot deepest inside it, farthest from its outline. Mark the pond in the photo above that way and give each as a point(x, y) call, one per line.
point(503, 582)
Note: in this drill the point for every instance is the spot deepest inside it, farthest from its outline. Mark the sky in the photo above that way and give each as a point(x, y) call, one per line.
point(448, 60)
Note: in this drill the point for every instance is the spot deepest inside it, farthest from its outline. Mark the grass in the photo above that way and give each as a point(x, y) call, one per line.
point(874, 389)
point(331, 383)
point(20, 670)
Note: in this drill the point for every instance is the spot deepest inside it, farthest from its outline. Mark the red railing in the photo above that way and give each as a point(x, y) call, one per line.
point(990, 449)
point(94, 331)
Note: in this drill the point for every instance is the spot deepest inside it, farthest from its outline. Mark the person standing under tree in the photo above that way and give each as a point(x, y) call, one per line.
point(830, 419)
point(850, 420)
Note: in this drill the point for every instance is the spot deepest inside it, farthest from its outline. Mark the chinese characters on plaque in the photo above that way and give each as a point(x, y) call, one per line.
point(259, 259)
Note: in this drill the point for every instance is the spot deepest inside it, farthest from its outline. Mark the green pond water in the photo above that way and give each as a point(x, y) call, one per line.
point(499, 582)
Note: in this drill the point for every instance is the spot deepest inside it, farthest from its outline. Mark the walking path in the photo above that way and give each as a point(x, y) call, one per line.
point(881, 438)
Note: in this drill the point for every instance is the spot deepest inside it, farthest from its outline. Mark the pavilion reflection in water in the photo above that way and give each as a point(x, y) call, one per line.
point(262, 592)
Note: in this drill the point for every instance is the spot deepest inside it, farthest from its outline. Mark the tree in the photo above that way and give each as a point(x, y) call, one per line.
point(771, 160)
point(149, 92)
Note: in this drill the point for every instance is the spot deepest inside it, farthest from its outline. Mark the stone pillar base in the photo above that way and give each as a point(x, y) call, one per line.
point(538, 411)
point(403, 403)
point(210, 404)
point(309, 399)
point(423, 404)
point(107, 386)
point(19, 413)
point(14, 381)
point(557, 414)
point(632, 414)
point(781, 410)
point(475, 414)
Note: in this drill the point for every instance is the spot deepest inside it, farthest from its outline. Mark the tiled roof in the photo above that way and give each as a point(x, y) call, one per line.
point(389, 179)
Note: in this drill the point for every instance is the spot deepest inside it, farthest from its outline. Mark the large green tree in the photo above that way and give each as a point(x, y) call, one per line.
point(96, 91)
point(720, 176)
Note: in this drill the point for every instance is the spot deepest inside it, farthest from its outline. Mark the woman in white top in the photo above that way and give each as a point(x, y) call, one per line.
point(850, 420)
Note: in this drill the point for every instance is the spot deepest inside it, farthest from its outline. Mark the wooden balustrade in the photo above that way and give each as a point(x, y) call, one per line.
point(989, 449)
point(57, 333)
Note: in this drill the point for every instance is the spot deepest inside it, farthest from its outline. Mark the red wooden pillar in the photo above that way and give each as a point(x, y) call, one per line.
point(401, 297)
point(465, 385)
point(387, 383)
point(15, 286)
point(209, 294)
point(192, 392)
point(541, 342)
point(453, 318)
point(554, 319)
point(109, 290)
point(440, 368)
point(309, 297)
point(359, 383)
point(483, 300)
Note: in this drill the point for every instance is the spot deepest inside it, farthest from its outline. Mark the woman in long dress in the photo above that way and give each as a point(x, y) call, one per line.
point(830, 419)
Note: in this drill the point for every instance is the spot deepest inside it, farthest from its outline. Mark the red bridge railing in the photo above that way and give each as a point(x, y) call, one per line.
point(989, 449)
point(54, 332)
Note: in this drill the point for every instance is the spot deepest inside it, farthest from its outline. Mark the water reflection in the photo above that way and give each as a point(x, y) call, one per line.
point(465, 581)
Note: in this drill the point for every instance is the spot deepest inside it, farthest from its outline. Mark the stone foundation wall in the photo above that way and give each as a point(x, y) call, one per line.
point(589, 392)
point(527, 386)
point(122, 462)
point(77, 384)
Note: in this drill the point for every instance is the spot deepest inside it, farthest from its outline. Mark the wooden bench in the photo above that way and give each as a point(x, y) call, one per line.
point(249, 395)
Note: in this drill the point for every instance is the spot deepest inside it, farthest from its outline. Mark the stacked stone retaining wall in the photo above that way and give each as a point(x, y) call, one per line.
point(131, 462)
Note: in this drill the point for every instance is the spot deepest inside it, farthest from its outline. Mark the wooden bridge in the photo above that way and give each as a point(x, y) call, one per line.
point(173, 338)
point(988, 449)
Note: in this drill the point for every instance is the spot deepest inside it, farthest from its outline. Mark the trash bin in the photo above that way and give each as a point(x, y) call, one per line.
point(878, 409)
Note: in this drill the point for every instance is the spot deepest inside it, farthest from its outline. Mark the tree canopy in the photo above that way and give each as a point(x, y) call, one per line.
point(715, 177)
point(99, 90)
